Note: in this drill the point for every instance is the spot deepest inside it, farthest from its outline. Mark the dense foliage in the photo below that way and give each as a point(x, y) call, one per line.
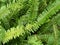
point(29, 22)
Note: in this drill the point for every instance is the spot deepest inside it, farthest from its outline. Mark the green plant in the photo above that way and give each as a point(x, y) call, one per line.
point(29, 22)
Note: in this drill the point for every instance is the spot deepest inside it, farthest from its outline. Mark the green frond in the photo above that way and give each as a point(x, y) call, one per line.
point(34, 8)
point(13, 33)
point(50, 11)
point(48, 27)
point(34, 26)
point(34, 40)
point(31, 14)
point(6, 13)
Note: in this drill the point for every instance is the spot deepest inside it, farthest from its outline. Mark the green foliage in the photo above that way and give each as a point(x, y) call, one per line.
point(34, 40)
point(7, 12)
point(2, 33)
point(29, 22)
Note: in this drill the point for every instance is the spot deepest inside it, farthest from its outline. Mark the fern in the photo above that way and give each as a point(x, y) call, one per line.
point(49, 32)
point(9, 11)
point(34, 40)
point(50, 11)
point(29, 22)
point(31, 14)
point(33, 27)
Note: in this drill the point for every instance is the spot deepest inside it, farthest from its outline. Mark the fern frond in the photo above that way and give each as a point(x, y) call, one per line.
point(31, 14)
point(34, 40)
point(34, 10)
point(51, 10)
point(13, 33)
point(7, 12)
point(48, 27)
